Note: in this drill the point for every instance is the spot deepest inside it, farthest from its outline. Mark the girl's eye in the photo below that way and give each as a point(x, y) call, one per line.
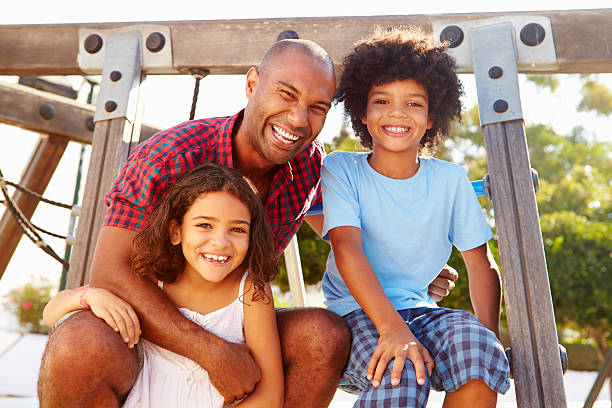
point(239, 230)
point(204, 225)
point(416, 104)
point(380, 101)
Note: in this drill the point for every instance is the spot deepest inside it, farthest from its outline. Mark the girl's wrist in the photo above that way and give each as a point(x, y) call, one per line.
point(82, 299)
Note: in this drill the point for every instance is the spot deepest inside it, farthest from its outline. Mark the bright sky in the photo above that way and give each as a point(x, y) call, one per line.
point(168, 99)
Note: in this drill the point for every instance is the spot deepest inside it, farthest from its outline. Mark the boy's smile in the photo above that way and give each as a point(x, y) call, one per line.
point(397, 116)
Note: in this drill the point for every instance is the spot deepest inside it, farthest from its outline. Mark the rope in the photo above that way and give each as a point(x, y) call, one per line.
point(25, 224)
point(36, 195)
point(198, 74)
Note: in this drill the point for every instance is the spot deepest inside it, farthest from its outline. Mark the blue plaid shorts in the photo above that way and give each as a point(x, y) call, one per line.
point(462, 349)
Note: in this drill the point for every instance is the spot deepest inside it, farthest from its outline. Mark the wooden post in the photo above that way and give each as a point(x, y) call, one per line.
point(36, 177)
point(117, 128)
point(294, 273)
point(533, 334)
point(605, 371)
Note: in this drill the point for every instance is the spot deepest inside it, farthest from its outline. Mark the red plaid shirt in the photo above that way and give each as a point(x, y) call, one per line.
point(158, 162)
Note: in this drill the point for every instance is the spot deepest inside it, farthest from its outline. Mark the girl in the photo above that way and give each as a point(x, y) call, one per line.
point(208, 246)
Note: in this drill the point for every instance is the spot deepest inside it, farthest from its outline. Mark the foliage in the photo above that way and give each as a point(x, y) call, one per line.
point(579, 259)
point(28, 302)
point(596, 97)
point(550, 82)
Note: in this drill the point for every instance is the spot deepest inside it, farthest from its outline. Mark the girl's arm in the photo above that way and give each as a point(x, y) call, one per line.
point(396, 340)
point(485, 286)
point(117, 313)
point(261, 336)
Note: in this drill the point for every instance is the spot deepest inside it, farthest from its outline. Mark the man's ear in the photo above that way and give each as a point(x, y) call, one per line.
point(252, 80)
point(175, 233)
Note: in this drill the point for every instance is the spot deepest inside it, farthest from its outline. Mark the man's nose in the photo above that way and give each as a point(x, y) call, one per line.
point(298, 116)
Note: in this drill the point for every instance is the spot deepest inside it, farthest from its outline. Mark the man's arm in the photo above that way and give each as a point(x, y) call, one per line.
point(315, 222)
point(231, 367)
point(485, 286)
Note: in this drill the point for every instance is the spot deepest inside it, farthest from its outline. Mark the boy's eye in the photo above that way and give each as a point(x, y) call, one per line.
point(417, 104)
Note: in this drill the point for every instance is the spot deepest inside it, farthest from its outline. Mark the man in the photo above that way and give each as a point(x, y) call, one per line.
point(272, 143)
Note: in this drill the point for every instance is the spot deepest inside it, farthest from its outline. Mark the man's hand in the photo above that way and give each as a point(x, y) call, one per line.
point(399, 344)
point(234, 373)
point(443, 284)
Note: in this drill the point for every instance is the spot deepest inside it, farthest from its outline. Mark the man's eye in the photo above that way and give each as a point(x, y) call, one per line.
point(286, 94)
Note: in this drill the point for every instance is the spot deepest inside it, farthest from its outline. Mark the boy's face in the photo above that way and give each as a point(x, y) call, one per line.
point(397, 116)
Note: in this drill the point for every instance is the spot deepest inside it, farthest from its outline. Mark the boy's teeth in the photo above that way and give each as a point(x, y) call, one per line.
point(285, 137)
point(396, 129)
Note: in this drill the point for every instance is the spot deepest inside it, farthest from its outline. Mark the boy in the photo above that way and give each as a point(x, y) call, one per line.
point(392, 217)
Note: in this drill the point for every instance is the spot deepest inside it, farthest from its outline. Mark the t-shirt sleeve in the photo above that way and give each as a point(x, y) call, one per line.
point(135, 192)
point(340, 200)
point(469, 228)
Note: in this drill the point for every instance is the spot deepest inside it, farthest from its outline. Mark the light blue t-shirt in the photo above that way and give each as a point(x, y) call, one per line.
point(408, 226)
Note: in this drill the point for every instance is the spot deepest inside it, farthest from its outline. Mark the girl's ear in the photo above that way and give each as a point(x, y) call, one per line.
point(175, 233)
point(364, 120)
point(429, 122)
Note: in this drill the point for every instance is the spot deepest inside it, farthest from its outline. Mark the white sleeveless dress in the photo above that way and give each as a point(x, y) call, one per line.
point(168, 379)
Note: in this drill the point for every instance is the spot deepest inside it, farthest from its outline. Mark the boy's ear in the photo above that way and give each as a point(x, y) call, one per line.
point(252, 80)
point(175, 233)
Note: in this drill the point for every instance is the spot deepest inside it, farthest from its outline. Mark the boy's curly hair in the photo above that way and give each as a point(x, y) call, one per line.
point(401, 53)
point(156, 257)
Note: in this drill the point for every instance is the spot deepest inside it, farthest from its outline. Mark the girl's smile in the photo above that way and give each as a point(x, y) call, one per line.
point(214, 236)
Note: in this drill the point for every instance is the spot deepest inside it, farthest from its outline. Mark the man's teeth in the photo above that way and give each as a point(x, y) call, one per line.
point(284, 136)
point(216, 258)
point(396, 129)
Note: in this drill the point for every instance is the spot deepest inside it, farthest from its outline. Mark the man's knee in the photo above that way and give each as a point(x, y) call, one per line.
point(315, 332)
point(84, 354)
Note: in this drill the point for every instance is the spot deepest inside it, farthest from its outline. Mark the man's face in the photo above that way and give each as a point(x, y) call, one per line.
point(288, 102)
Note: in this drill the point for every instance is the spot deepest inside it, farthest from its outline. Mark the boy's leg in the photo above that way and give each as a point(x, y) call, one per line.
point(86, 364)
point(315, 346)
point(365, 339)
point(469, 358)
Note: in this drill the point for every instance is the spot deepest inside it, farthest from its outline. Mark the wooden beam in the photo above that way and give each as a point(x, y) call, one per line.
point(116, 132)
point(529, 309)
point(581, 37)
point(20, 106)
point(36, 177)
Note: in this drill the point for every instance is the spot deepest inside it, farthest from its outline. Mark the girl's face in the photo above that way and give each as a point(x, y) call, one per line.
point(397, 116)
point(214, 235)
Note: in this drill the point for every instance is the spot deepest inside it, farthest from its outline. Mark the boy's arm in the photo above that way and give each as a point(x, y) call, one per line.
point(231, 368)
point(485, 286)
point(261, 334)
point(396, 340)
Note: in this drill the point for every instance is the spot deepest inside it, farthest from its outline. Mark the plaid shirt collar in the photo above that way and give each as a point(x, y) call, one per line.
point(225, 149)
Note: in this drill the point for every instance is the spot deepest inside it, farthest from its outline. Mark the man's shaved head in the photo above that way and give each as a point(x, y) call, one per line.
point(305, 47)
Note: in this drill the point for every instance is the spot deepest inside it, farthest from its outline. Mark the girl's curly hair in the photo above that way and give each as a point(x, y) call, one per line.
point(397, 54)
point(155, 256)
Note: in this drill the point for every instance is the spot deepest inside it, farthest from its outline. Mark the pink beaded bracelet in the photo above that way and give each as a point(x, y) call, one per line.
point(82, 301)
